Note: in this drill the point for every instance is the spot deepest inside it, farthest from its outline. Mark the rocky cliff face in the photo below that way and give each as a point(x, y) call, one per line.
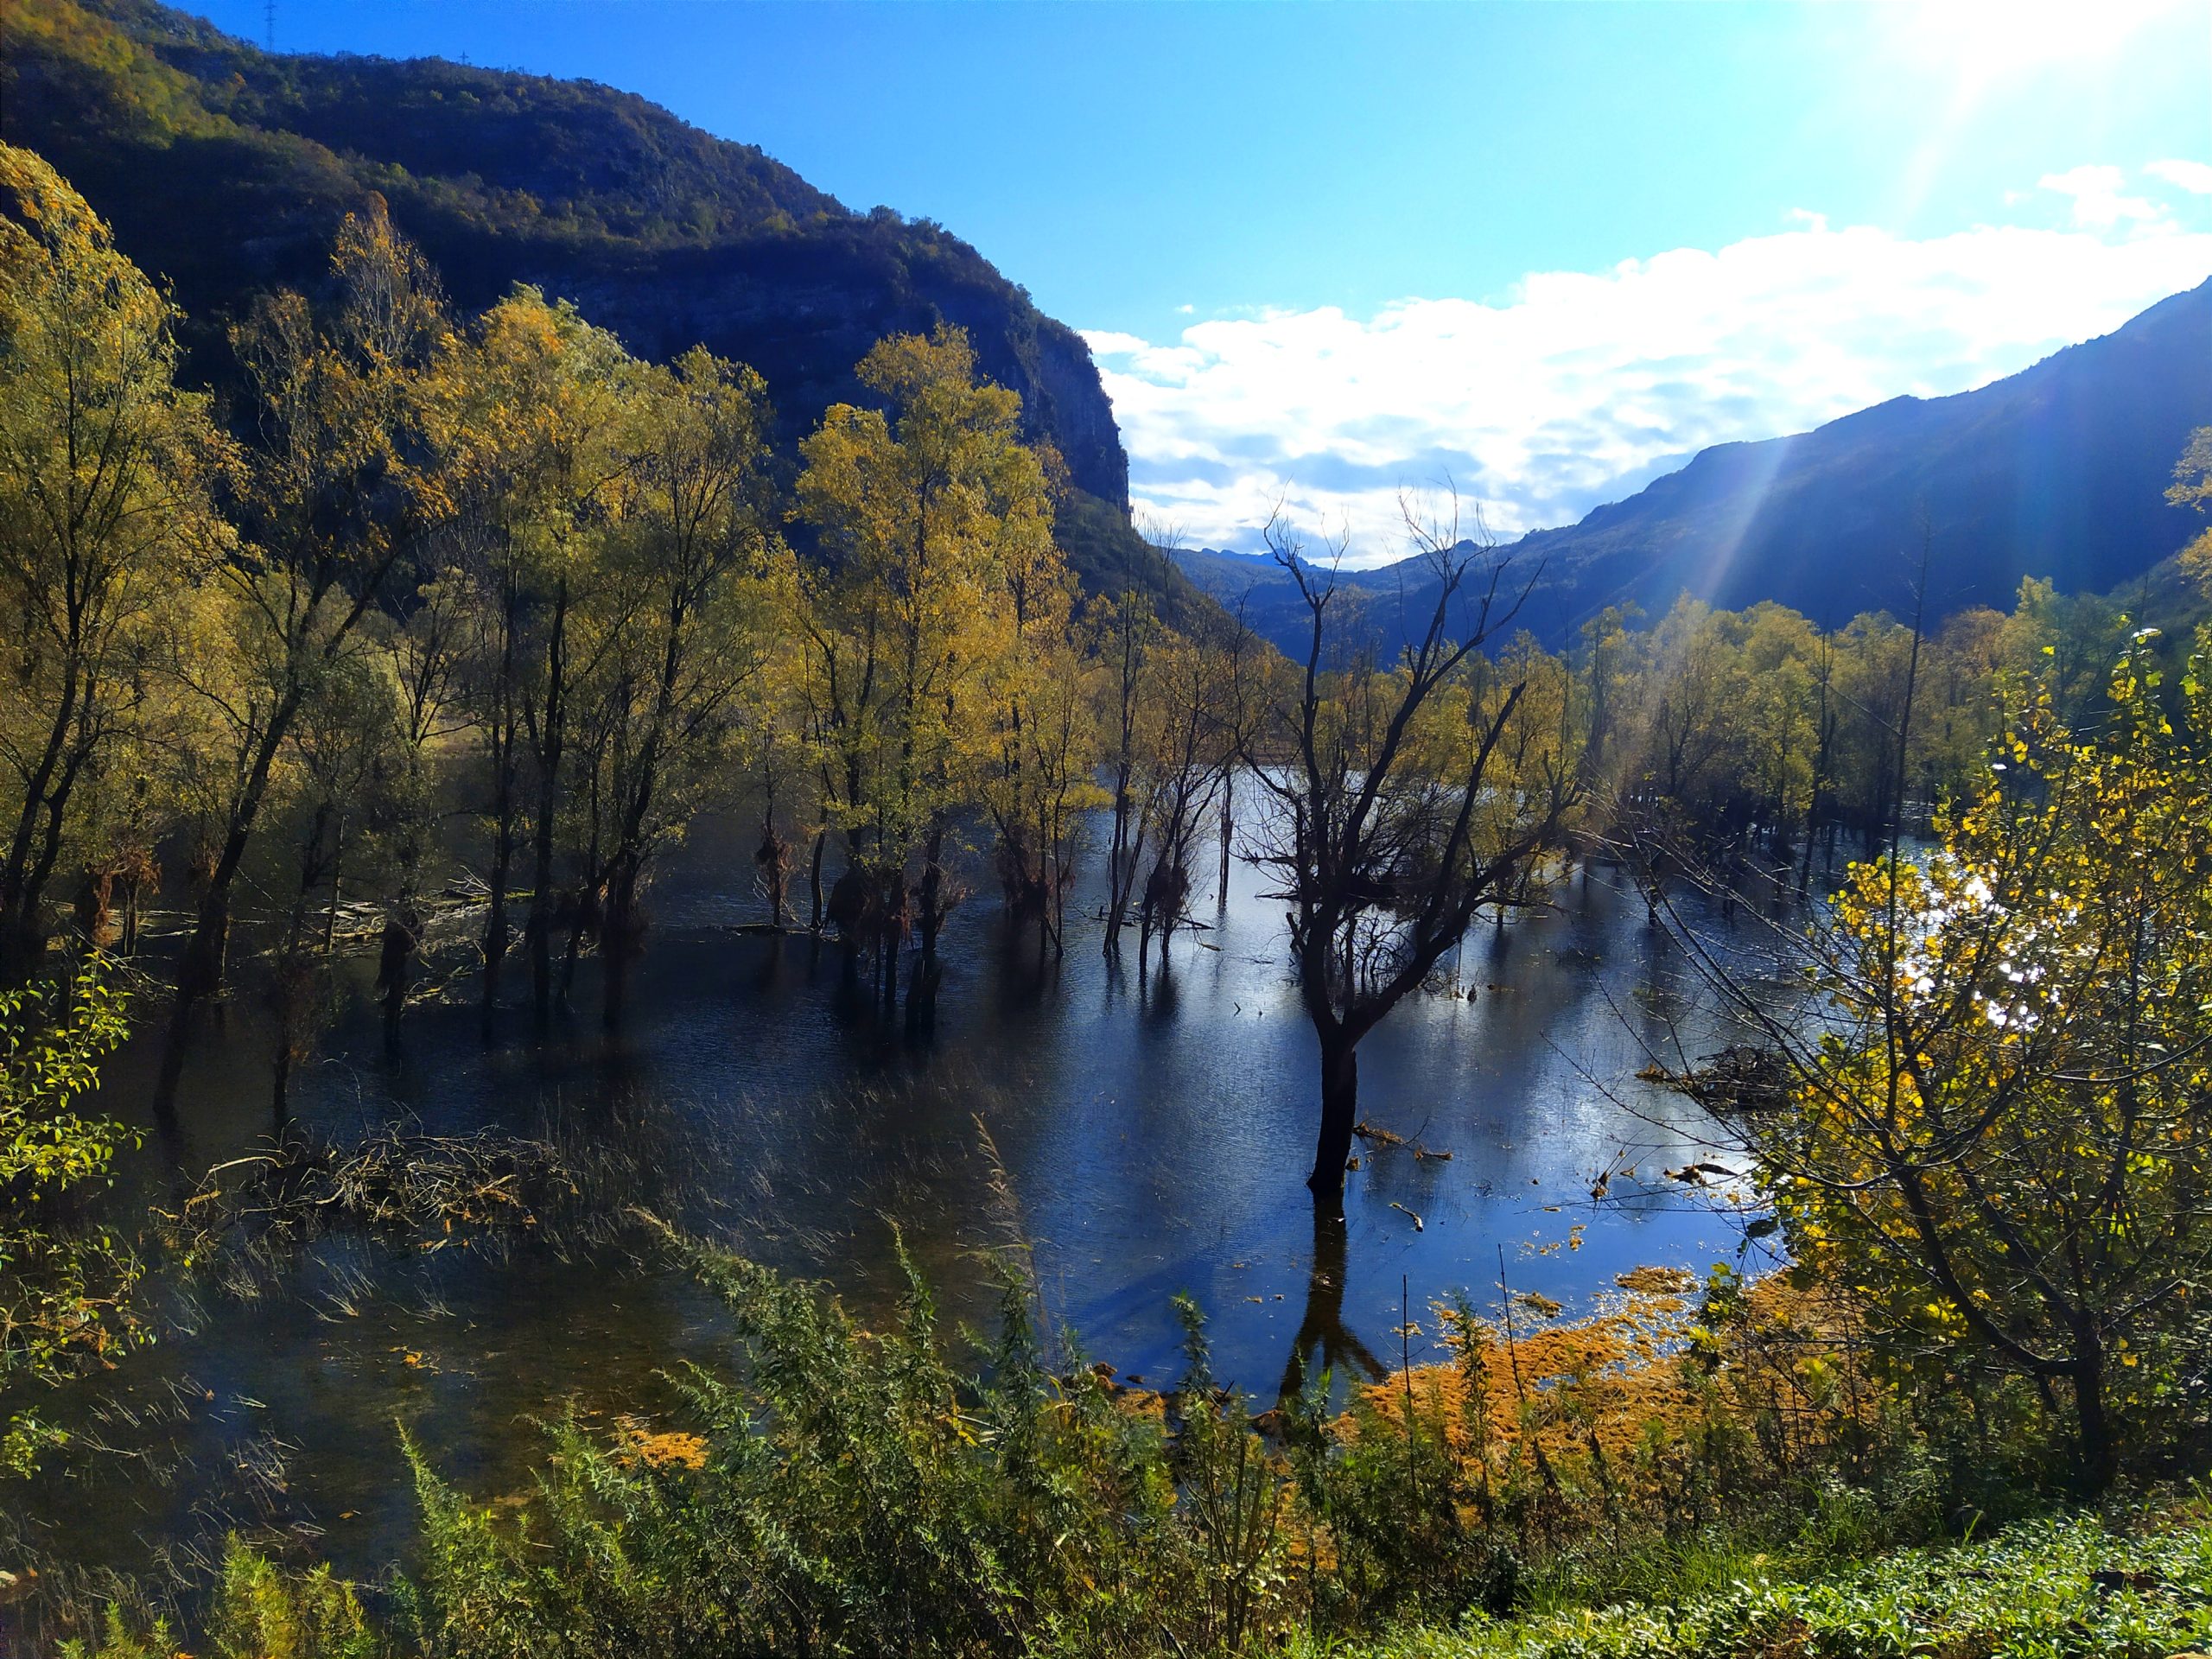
point(226, 169)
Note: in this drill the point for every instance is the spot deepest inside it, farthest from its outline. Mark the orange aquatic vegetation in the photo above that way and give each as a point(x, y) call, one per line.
point(659, 1448)
point(1766, 1368)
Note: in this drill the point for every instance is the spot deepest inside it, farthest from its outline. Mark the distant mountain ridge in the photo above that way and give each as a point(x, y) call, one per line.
point(225, 170)
point(2059, 471)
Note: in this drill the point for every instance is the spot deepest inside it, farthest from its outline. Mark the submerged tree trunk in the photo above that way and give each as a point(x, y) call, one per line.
point(921, 988)
point(814, 877)
point(1228, 829)
point(1339, 1111)
point(1121, 885)
point(621, 936)
point(199, 970)
point(395, 965)
point(550, 745)
point(498, 934)
point(774, 857)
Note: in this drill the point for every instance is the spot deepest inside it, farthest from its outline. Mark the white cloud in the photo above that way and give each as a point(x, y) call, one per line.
point(1579, 387)
point(2096, 191)
point(2196, 177)
point(1107, 343)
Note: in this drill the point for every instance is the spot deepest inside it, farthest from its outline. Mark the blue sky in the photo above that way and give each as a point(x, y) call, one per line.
point(1326, 252)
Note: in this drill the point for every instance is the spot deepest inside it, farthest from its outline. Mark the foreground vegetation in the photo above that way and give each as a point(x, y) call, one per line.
point(1694, 1472)
point(2043, 1589)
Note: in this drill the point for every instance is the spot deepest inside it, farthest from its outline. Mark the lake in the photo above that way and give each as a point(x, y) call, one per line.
point(1154, 1131)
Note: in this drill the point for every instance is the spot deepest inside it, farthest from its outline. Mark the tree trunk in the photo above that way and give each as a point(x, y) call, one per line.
point(22, 880)
point(554, 738)
point(395, 965)
point(776, 856)
point(199, 973)
point(1339, 1111)
point(814, 878)
point(497, 934)
point(933, 917)
point(922, 983)
point(337, 889)
point(620, 939)
point(2098, 1453)
point(1122, 883)
point(1228, 829)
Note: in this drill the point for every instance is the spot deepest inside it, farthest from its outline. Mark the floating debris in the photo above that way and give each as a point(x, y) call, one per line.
point(1698, 1174)
point(1742, 1078)
point(1376, 1135)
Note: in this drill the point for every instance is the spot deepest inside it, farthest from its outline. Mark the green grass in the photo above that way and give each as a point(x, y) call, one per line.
point(2041, 1590)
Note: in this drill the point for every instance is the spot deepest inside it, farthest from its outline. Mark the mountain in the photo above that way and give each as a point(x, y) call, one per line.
point(225, 170)
point(2058, 471)
point(1254, 587)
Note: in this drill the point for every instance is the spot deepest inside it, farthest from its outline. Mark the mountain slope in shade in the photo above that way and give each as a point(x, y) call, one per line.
point(2059, 471)
point(225, 170)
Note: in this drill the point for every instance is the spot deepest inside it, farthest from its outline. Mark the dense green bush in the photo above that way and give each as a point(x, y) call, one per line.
point(65, 1289)
point(853, 1493)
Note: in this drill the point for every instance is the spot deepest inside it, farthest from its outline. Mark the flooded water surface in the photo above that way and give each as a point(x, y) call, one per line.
point(1144, 1135)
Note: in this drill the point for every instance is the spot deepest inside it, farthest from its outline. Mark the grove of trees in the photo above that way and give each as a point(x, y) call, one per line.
point(489, 607)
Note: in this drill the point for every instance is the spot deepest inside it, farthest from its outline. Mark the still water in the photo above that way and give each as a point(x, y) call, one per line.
point(1154, 1130)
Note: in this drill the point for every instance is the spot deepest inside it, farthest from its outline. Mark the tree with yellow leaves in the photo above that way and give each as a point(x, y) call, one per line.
point(1036, 778)
point(1998, 1141)
point(104, 518)
point(684, 619)
point(1186, 738)
point(544, 482)
point(920, 510)
point(345, 482)
point(2192, 487)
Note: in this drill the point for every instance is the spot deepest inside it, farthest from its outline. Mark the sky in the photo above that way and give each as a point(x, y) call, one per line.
point(1533, 253)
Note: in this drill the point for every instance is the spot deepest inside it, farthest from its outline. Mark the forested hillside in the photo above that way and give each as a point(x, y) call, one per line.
point(2059, 472)
point(225, 170)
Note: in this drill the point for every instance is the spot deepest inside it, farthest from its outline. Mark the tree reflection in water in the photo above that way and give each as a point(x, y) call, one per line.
point(1322, 1330)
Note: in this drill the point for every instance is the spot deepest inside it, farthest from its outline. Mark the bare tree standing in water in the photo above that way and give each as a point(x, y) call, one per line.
point(1399, 816)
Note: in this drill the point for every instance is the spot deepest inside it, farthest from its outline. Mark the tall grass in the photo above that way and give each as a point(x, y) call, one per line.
point(849, 1490)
